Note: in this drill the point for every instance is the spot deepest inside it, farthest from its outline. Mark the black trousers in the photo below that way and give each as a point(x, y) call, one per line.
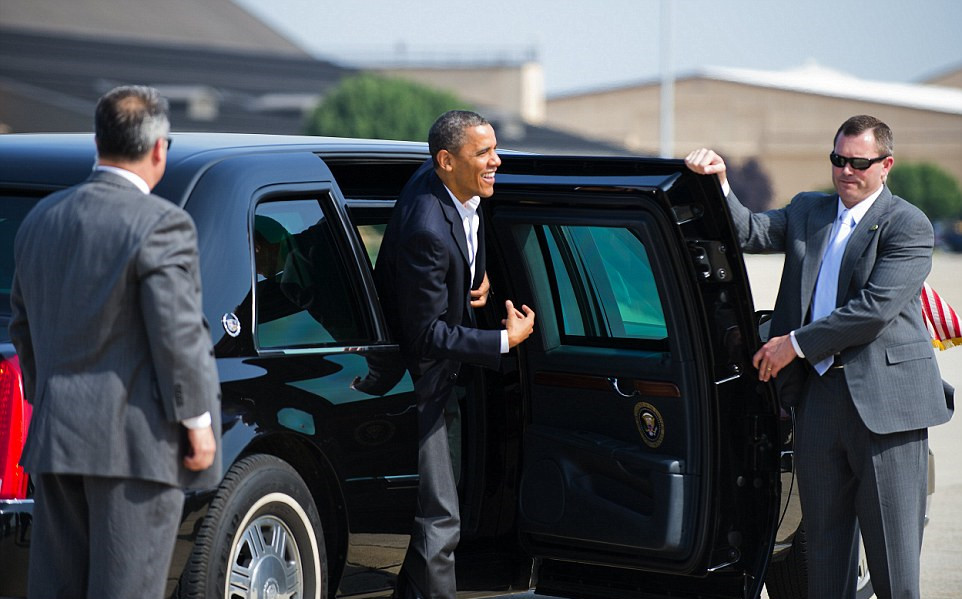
point(101, 538)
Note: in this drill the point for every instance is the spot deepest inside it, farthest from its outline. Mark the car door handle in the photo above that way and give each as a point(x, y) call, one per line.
point(614, 385)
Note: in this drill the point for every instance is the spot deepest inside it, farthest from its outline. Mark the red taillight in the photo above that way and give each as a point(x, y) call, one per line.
point(14, 420)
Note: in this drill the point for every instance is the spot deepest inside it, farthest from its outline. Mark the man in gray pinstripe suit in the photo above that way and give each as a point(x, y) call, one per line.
point(117, 362)
point(850, 351)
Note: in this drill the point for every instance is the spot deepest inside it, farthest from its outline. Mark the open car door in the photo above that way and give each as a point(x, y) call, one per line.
point(650, 449)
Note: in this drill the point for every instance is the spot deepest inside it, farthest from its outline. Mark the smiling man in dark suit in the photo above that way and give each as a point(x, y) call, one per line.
point(118, 365)
point(849, 349)
point(431, 257)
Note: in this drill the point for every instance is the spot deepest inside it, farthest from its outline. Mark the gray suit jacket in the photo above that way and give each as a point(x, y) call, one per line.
point(877, 327)
point(112, 341)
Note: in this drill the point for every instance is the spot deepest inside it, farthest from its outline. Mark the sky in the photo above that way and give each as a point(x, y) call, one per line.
point(584, 45)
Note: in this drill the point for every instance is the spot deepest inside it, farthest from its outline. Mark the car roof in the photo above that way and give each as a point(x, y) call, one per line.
point(48, 160)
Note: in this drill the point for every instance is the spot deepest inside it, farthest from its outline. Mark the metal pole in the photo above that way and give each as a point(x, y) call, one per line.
point(667, 96)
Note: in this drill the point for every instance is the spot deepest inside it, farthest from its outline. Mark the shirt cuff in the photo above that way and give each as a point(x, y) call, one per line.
point(798, 350)
point(202, 421)
point(504, 342)
point(726, 188)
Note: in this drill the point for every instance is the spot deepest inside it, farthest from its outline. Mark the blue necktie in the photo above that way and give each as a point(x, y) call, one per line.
point(826, 287)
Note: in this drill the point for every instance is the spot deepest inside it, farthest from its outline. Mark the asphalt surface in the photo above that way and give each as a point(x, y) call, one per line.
point(942, 545)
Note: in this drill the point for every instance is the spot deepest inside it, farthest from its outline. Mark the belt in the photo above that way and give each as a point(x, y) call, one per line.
point(837, 362)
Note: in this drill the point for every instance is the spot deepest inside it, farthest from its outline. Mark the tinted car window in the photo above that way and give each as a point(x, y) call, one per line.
point(13, 209)
point(604, 285)
point(370, 224)
point(305, 294)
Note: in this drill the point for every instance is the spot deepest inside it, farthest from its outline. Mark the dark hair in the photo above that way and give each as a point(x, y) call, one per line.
point(856, 125)
point(129, 120)
point(447, 132)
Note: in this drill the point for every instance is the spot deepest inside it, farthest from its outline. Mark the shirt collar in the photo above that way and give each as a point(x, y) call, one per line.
point(465, 209)
point(858, 210)
point(132, 177)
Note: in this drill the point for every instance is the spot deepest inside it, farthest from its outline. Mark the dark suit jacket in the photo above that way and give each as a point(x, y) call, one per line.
point(423, 279)
point(877, 327)
point(108, 325)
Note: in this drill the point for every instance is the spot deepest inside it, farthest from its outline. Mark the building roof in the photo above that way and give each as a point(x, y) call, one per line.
point(818, 80)
point(51, 82)
point(214, 24)
point(815, 79)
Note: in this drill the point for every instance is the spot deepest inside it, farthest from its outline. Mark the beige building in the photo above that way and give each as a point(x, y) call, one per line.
point(784, 119)
point(515, 89)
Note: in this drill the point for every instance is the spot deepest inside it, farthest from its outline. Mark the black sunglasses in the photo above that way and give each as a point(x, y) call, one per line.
point(859, 164)
point(170, 140)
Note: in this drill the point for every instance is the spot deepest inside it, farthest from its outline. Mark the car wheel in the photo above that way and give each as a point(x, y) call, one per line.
point(788, 578)
point(261, 537)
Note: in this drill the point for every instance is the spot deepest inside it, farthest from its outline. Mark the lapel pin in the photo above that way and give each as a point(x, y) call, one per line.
point(873, 228)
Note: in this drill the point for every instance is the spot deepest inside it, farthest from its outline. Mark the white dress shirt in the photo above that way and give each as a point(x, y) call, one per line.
point(470, 220)
point(130, 176)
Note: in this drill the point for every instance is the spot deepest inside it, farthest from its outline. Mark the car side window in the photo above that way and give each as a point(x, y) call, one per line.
point(602, 283)
point(306, 295)
point(370, 223)
point(13, 209)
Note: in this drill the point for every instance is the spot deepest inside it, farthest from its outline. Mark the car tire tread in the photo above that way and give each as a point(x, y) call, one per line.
point(242, 485)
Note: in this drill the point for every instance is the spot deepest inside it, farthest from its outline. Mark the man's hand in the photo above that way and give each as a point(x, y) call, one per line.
point(706, 162)
point(773, 356)
point(479, 296)
point(518, 324)
point(202, 448)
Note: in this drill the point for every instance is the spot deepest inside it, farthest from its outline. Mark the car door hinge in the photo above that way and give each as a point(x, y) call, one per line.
point(710, 260)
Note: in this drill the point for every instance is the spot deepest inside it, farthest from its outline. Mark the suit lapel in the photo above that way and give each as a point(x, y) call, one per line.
point(866, 229)
point(819, 226)
point(452, 215)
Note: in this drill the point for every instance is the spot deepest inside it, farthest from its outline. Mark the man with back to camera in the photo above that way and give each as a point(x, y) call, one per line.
point(431, 258)
point(850, 351)
point(117, 362)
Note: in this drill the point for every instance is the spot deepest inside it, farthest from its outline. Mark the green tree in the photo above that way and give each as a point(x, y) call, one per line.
point(372, 106)
point(929, 187)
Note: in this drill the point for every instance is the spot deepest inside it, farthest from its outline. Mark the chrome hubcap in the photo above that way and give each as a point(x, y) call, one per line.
point(266, 563)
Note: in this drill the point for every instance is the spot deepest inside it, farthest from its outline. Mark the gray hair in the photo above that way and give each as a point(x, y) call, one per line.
point(448, 131)
point(129, 120)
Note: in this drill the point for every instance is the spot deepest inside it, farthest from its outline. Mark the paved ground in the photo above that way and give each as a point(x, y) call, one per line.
point(942, 551)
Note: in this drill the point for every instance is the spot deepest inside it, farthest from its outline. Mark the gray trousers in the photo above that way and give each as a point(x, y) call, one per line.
point(101, 538)
point(850, 478)
point(428, 569)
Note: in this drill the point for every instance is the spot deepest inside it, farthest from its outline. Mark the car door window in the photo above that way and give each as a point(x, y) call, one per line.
point(306, 295)
point(604, 287)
